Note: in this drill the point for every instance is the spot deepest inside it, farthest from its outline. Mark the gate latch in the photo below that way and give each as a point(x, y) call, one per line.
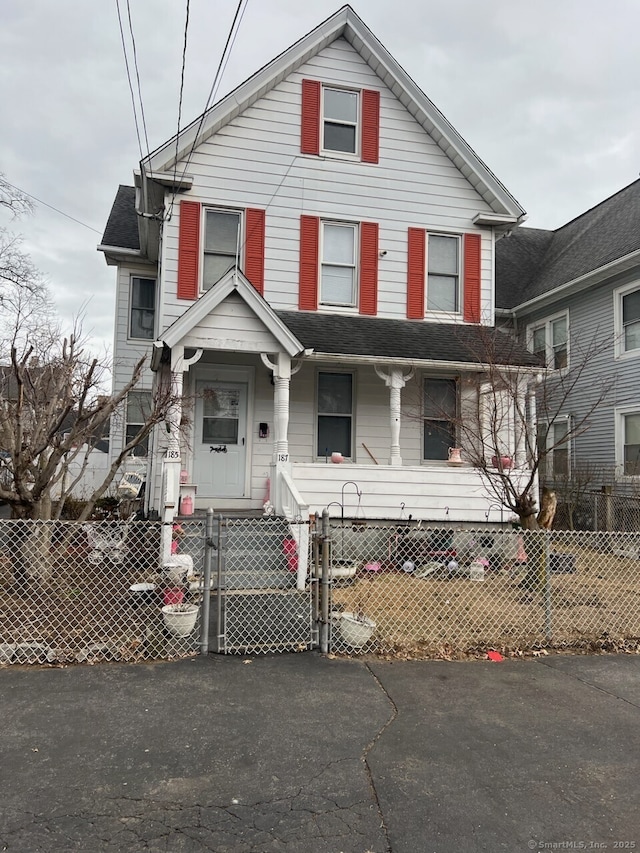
point(220, 449)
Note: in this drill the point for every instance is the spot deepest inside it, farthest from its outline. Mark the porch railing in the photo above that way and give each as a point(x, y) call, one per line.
point(291, 504)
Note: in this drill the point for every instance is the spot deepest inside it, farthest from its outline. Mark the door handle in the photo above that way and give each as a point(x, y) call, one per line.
point(222, 448)
point(243, 441)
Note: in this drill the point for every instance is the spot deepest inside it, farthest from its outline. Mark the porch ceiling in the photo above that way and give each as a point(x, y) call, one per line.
point(414, 340)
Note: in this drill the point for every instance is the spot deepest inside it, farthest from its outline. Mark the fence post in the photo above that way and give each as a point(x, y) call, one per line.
point(209, 545)
point(547, 586)
point(221, 633)
point(324, 596)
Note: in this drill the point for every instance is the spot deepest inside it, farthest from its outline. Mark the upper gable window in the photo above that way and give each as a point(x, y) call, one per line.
point(340, 110)
point(443, 276)
point(549, 340)
point(627, 320)
point(221, 244)
point(338, 269)
point(143, 308)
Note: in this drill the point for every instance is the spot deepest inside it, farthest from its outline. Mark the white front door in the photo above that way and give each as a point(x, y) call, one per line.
point(221, 439)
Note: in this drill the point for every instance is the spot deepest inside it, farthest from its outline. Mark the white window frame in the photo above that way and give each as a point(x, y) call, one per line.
point(459, 292)
point(618, 337)
point(318, 414)
point(340, 306)
point(239, 243)
point(547, 323)
point(132, 276)
point(127, 423)
point(456, 380)
point(331, 152)
point(620, 413)
point(552, 475)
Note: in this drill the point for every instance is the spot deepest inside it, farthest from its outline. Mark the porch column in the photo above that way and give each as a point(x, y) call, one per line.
point(281, 380)
point(395, 381)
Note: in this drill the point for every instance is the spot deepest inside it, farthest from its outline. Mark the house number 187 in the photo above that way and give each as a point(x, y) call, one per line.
point(283, 457)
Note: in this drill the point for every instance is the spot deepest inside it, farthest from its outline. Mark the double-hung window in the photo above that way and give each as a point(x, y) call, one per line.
point(628, 441)
point(138, 411)
point(440, 409)
point(338, 276)
point(335, 414)
point(340, 114)
point(143, 308)
point(221, 244)
point(627, 319)
point(554, 448)
point(443, 273)
point(549, 339)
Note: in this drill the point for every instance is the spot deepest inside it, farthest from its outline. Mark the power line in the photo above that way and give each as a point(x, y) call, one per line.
point(135, 63)
point(233, 32)
point(126, 62)
point(57, 210)
point(184, 62)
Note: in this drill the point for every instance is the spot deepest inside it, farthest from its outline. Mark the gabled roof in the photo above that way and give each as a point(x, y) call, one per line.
point(413, 340)
point(232, 281)
point(531, 263)
point(344, 24)
point(121, 230)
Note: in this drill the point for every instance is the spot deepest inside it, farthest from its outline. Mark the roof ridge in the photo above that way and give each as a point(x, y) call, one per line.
point(596, 206)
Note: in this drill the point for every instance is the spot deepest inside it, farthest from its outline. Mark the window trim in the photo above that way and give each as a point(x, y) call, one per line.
point(331, 152)
point(554, 477)
point(127, 423)
point(241, 212)
point(618, 328)
point(434, 312)
point(131, 309)
point(458, 387)
point(546, 323)
point(337, 306)
point(619, 413)
point(317, 415)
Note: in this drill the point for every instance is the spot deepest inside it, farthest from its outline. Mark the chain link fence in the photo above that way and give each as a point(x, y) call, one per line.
point(97, 591)
point(403, 589)
point(602, 510)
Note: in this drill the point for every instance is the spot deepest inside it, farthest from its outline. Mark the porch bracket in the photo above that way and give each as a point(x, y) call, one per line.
point(395, 380)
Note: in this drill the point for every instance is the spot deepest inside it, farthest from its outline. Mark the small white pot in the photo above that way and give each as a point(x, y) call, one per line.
point(180, 619)
point(356, 631)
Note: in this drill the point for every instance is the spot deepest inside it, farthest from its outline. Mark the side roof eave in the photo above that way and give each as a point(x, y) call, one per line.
point(233, 281)
point(346, 23)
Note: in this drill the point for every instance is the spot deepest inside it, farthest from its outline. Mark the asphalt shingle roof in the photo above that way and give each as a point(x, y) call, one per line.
point(410, 339)
point(122, 225)
point(531, 262)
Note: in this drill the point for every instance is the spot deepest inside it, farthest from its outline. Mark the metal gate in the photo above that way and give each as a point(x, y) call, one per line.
point(255, 607)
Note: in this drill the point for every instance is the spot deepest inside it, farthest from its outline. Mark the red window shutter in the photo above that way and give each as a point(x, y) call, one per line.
point(370, 126)
point(188, 250)
point(309, 246)
point(254, 247)
point(369, 268)
point(472, 278)
point(310, 126)
point(415, 273)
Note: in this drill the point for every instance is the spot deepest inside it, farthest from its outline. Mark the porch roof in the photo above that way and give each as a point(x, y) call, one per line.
point(413, 340)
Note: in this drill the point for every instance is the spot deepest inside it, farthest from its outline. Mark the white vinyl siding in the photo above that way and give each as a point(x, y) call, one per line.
point(254, 162)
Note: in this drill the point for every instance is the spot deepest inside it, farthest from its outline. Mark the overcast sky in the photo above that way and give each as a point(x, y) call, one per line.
point(546, 92)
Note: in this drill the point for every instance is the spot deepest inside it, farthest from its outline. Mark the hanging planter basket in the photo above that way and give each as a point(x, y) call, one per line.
point(180, 619)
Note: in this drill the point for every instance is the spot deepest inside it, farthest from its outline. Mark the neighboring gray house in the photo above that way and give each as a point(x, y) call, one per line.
point(574, 295)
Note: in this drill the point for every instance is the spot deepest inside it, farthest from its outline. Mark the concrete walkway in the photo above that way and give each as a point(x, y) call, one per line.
point(300, 753)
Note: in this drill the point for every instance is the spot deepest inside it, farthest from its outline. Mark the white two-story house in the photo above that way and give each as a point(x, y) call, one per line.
point(311, 265)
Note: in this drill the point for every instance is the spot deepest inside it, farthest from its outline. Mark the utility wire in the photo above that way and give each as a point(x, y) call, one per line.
point(233, 32)
point(51, 207)
point(135, 63)
point(126, 62)
point(184, 62)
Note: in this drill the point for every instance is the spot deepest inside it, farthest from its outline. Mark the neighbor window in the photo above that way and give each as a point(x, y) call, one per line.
point(340, 110)
point(549, 339)
point(138, 411)
point(335, 414)
point(221, 244)
point(338, 269)
point(627, 319)
point(443, 273)
point(440, 410)
point(143, 308)
point(554, 449)
point(631, 444)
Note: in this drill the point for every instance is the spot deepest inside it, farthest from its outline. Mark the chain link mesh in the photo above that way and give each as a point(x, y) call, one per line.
point(261, 610)
point(95, 591)
point(410, 589)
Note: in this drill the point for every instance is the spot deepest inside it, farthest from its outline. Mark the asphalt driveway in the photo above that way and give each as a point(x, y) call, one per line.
point(301, 753)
